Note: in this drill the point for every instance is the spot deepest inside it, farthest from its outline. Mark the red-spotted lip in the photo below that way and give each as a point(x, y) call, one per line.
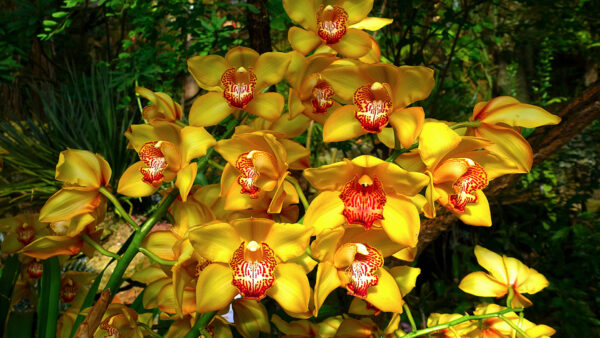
point(374, 105)
point(68, 290)
point(363, 203)
point(362, 272)
point(466, 186)
point(253, 265)
point(248, 174)
point(238, 86)
point(321, 97)
point(154, 161)
point(331, 23)
point(25, 233)
point(35, 269)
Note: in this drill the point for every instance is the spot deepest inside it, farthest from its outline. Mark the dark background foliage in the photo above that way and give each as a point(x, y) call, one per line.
point(68, 70)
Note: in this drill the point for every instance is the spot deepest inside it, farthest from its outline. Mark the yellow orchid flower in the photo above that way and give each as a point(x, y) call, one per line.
point(285, 124)
point(252, 257)
point(305, 328)
point(189, 213)
point(121, 321)
point(74, 286)
point(500, 120)
point(504, 273)
point(358, 328)
point(380, 95)
point(218, 327)
point(82, 173)
point(20, 231)
point(166, 151)
point(337, 24)
point(460, 330)
point(353, 258)
point(259, 162)
point(366, 191)
point(498, 328)
point(163, 107)
point(235, 82)
point(250, 317)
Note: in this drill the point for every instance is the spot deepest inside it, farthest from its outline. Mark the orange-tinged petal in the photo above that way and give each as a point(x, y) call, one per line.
point(357, 9)
point(209, 109)
point(161, 244)
point(331, 176)
point(241, 57)
point(398, 180)
point(431, 195)
point(344, 77)
point(482, 285)
point(302, 12)
point(270, 68)
point(372, 23)
point(354, 44)
point(342, 125)
point(302, 40)
point(297, 154)
point(414, 84)
point(321, 246)
point(411, 162)
point(195, 141)
point(290, 289)
point(250, 317)
point(185, 179)
point(507, 143)
point(131, 183)
point(401, 220)
point(215, 289)
point(82, 167)
point(406, 278)
point(327, 281)
point(50, 246)
point(215, 242)
point(288, 240)
point(351, 327)
point(295, 105)
point(385, 295)
point(534, 283)
point(493, 263)
point(166, 299)
point(477, 213)
point(66, 204)
point(376, 238)
point(510, 111)
point(408, 123)
point(290, 127)
point(406, 254)
point(151, 292)
point(436, 140)
point(266, 105)
point(325, 212)
point(386, 136)
point(374, 54)
point(305, 262)
point(207, 71)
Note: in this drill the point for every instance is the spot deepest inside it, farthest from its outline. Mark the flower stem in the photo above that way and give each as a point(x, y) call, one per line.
point(410, 317)
point(303, 199)
point(119, 208)
point(99, 247)
point(466, 124)
point(216, 165)
point(180, 123)
point(155, 258)
point(116, 278)
point(398, 152)
point(514, 326)
point(201, 324)
point(309, 134)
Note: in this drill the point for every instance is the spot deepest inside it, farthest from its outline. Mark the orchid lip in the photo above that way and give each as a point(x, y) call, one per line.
point(362, 272)
point(253, 265)
point(374, 105)
point(466, 186)
point(238, 86)
point(364, 200)
point(331, 24)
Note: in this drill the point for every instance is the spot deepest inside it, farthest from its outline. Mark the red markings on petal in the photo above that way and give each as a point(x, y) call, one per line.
point(374, 106)
point(362, 271)
point(253, 265)
point(475, 178)
point(25, 233)
point(35, 269)
point(68, 290)
point(238, 86)
point(154, 160)
point(321, 100)
point(331, 23)
point(364, 200)
point(248, 172)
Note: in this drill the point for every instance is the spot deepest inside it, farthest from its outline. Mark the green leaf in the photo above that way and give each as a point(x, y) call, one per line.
point(20, 324)
point(47, 311)
point(59, 15)
point(49, 23)
point(10, 272)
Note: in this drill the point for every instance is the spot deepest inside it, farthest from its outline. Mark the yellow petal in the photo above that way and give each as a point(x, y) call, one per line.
point(290, 289)
point(540, 331)
point(288, 240)
point(209, 109)
point(290, 127)
point(397, 180)
point(166, 299)
point(401, 220)
point(50, 246)
point(185, 179)
point(81, 167)
point(207, 71)
point(385, 295)
point(372, 23)
point(492, 262)
point(515, 114)
point(507, 143)
point(482, 285)
point(414, 84)
point(151, 292)
point(305, 262)
point(297, 154)
point(344, 78)
point(66, 204)
point(436, 140)
point(327, 281)
point(214, 290)
point(304, 13)
point(477, 213)
point(241, 57)
point(357, 9)
point(534, 283)
point(386, 136)
point(406, 278)
point(270, 68)
point(351, 327)
point(376, 237)
point(215, 242)
point(408, 123)
point(131, 183)
point(325, 212)
point(295, 106)
point(431, 195)
point(302, 40)
point(253, 229)
point(195, 141)
point(331, 176)
point(149, 274)
point(354, 44)
point(161, 244)
point(359, 307)
point(322, 246)
point(266, 105)
point(406, 254)
point(342, 125)
point(250, 317)
point(494, 165)
point(374, 54)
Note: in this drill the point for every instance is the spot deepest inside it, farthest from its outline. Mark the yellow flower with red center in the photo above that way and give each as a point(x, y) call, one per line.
point(353, 258)
point(236, 82)
point(259, 161)
point(501, 119)
point(166, 151)
point(163, 107)
point(380, 94)
point(497, 328)
point(366, 191)
point(74, 286)
point(21, 230)
point(504, 273)
point(192, 212)
point(251, 257)
point(122, 321)
point(335, 24)
point(460, 330)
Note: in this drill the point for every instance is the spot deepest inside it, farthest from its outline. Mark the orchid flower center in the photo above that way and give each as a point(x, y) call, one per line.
point(154, 161)
point(201, 265)
point(25, 233)
point(474, 178)
point(238, 86)
point(364, 200)
point(331, 23)
point(68, 290)
point(35, 269)
point(111, 331)
point(362, 271)
point(248, 172)
point(253, 264)
point(321, 97)
point(374, 106)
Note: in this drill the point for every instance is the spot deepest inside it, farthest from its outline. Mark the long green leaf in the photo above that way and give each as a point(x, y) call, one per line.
point(10, 272)
point(47, 314)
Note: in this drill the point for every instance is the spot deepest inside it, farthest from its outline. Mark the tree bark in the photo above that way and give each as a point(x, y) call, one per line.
point(259, 27)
